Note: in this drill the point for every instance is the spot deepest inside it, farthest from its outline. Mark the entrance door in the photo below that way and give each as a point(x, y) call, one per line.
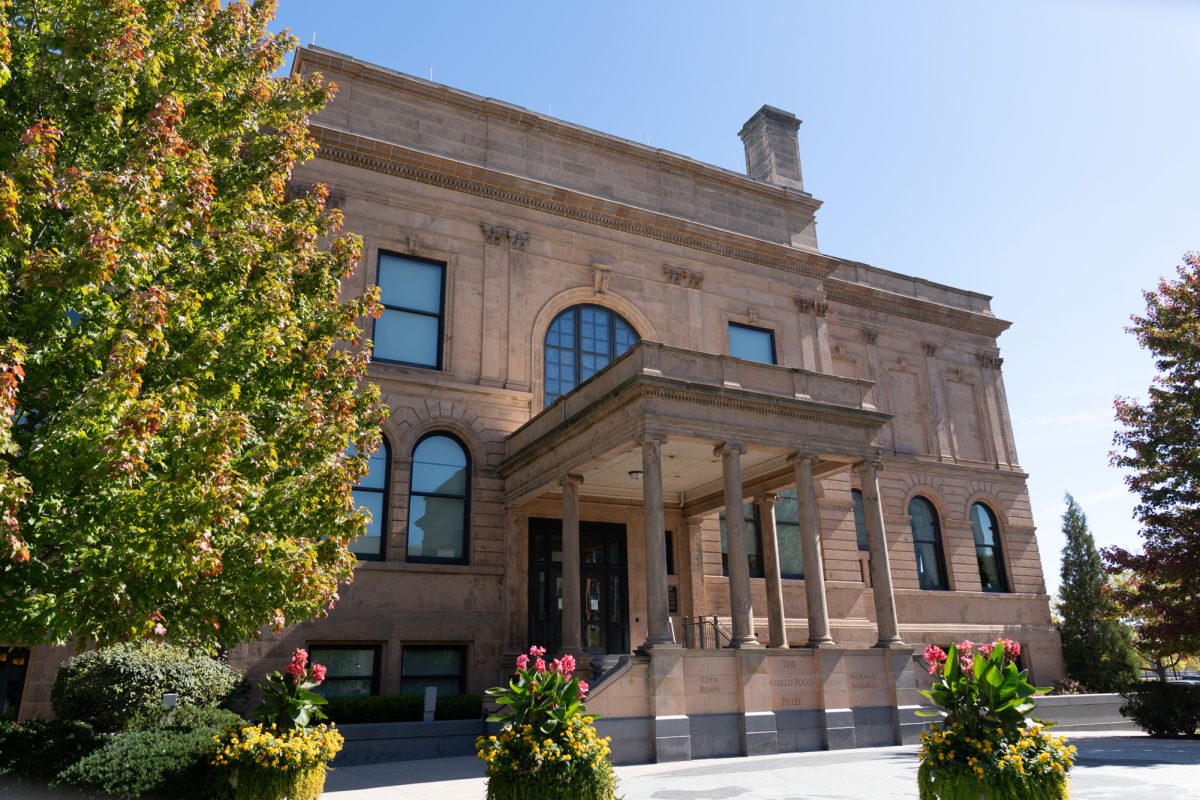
point(14, 663)
point(603, 581)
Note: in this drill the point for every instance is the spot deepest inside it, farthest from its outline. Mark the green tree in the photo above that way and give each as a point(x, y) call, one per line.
point(1097, 647)
point(1160, 446)
point(179, 373)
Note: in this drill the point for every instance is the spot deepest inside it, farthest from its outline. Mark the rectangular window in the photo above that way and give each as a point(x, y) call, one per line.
point(751, 344)
point(787, 531)
point(351, 670)
point(860, 520)
point(410, 330)
point(753, 542)
point(440, 666)
point(670, 553)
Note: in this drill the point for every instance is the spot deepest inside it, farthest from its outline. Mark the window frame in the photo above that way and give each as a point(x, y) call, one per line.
point(385, 523)
point(426, 646)
point(441, 315)
point(757, 329)
point(787, 576)
point(939, 546)
point(997, 547)
point(376, 663)
point(466, 498)
point(613, 317)
point(754, 520)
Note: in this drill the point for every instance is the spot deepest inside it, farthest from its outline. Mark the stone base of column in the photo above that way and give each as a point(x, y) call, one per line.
point(645, 647)
point(839, 729)
point(896, 642)
point(672, 738)
point(746, 642)
point(817, 644)
point(760, 736)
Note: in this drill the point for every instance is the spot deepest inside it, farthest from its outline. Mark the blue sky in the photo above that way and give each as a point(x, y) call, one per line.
point(1046, 153)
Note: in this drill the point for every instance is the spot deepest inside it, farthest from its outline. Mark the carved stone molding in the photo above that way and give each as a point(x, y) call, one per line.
point(870, 336)
point(679, 276)
point(294, 190)
point(503, 235)
point(413, 244)
point(600, 278)
point(930, 349)
point(989, 361)
point(810, 306)
point(752, 315)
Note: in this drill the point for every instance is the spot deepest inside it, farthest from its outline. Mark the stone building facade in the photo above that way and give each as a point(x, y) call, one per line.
point(591, 350)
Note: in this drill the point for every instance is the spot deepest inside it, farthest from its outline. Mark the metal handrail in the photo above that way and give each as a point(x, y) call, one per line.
point(705, 633)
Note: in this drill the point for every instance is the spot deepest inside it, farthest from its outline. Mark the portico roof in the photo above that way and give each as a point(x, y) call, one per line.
point(693, 401)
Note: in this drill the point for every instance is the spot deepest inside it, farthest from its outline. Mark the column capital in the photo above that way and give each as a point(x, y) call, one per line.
point(802, 456)
point(571, 478)
point(767, 498)
point(652, 439)
point(873, 462)
point(729, 447)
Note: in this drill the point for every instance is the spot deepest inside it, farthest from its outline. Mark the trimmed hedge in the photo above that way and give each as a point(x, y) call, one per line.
point(112, 688)
point(1164, 709)
point(149, 764)
point(38, 749)
point(401, 708)
point(267, 784)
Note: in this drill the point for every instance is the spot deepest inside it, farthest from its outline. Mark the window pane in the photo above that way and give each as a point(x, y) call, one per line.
point(791, 556)
point(411, 338)
point(787, 510)
point(371, 502)
point(410, 284)
point(435, 529)
point(344, 663)
point(432, 661)
point(358, 687)
point(989, 569)
point(417, 685)
point(439, 467)
point(570, 359)
point(860, 520)
point(982, 527)
point(376, 469)
point(928, 571)
point(752, 344)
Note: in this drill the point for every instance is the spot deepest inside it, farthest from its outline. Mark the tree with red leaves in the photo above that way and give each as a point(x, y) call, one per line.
point(180, 374)
point(1160, 444)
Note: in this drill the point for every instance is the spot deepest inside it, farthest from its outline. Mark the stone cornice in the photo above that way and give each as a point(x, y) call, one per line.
point(872, 299)
point(475, 179)
point(334, 64)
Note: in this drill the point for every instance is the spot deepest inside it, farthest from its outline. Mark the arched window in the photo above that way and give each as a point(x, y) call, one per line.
point(927, 543)
point(580, 342)
point(987, 549)
point(438, 507)
point(371, 494)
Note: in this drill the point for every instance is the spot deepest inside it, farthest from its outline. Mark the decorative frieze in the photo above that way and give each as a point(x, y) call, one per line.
point(600, 278)
point(502, 235)
point(810, 306)
point(870, 336)
point(294, 190)
point(988, 361)
point(930, 349)
point(679, 276)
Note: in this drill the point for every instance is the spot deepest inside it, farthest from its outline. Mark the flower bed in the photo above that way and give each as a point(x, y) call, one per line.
point(548, 748)
point(987, 746)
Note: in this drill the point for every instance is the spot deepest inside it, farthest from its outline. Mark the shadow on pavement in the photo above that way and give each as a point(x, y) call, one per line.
point(1135, 751)
point(403, 773)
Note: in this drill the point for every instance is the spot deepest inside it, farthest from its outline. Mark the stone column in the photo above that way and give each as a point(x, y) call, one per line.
point(695, 550)
point(881, 571)
point(810, 544)
point(658, 621)
point(516, 579)
point(572, 619)
point(770, 538)
point(735, 535)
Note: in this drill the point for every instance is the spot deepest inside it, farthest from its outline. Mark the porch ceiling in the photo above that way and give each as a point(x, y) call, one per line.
point(695, 400)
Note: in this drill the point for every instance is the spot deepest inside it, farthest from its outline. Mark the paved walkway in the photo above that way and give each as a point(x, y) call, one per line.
point(1109, 766)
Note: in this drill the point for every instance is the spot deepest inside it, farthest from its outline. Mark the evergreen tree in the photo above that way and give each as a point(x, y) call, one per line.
point(180, 374)
point(1097, 647)
point(1160, 445)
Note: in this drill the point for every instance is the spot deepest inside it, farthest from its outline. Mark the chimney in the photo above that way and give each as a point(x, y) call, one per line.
point(772, 150)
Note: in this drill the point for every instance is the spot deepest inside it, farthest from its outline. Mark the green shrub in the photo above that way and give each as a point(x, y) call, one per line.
point(184, 718)
point(112, 687)
point(38, 749)
point(1164, 709)
point(148, 764)
point(401, 708)
point(268, 784)
point(935, 784)
point(595, 784)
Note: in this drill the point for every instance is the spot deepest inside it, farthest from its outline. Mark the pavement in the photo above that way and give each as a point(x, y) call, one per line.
point(1109, 765)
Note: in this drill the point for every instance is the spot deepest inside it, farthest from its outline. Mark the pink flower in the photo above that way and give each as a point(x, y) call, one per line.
point(522, 662)
point(159, 630)
point(965, 646)
point(537, 652)
point(540, 665)
point(318, 673)
point(583, 688)
point(565, 666)
point(1011, 649)
point(934, 655)
point(298, 665)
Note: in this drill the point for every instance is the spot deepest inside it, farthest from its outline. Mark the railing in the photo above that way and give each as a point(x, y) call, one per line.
point(705, 633)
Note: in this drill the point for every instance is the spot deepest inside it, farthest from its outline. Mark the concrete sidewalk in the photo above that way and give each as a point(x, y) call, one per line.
point(1108, 766)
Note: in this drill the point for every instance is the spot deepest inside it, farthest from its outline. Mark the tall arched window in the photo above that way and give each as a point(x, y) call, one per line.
point(987, 549)
point(371, 494)
point(438, 507)
point(927, 543)
point(580, 342)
